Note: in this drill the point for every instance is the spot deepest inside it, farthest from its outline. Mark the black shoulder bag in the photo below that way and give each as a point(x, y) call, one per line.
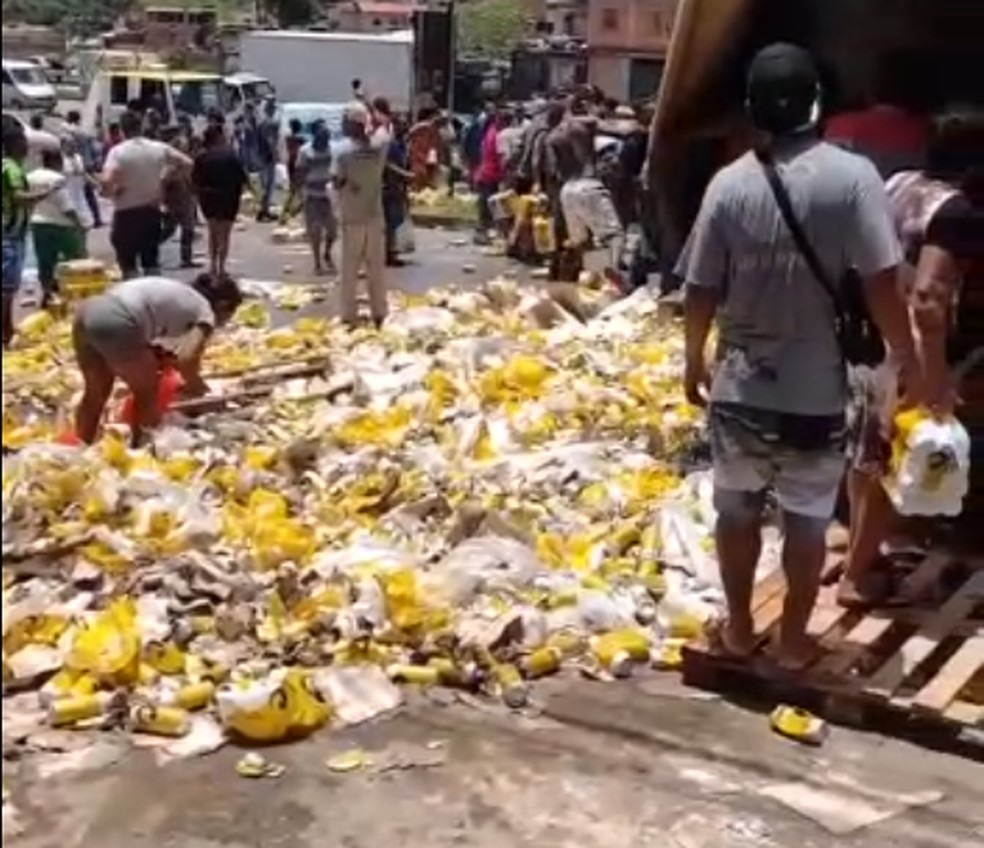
point(860, 341)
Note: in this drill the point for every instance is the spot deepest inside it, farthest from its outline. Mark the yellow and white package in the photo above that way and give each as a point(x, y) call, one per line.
point(283, 706)
point(930, 466)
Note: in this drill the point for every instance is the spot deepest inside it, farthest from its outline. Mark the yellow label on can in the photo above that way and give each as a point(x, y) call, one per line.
point(421, 675)
point(71, 710)
point(161, 721)
point(542, 662)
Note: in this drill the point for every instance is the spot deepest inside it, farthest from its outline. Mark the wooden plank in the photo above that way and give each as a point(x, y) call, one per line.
point(927, 575)
point(766, 589)
point(859, 639)
point(767, 605)
point(964, 712)
point(956, 673)
point(827, 613)
point(918, 647)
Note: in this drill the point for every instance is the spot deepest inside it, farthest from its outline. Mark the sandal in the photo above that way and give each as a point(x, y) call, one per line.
point(817, 652)
point(718, 643)
point(878, 594)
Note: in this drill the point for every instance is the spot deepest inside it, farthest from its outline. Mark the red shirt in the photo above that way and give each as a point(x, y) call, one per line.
point(490, 167)
point(893, 138)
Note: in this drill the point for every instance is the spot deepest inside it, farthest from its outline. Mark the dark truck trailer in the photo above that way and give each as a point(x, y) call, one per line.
point(699, 124)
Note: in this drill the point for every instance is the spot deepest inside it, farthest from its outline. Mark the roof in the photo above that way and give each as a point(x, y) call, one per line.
point(164, 75)
point(241, 77)
point(403, 36)
point(381, 8)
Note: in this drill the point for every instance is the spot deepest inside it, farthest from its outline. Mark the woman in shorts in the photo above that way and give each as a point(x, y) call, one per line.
point(219, 178)
point(939, 214)
point(125, 332)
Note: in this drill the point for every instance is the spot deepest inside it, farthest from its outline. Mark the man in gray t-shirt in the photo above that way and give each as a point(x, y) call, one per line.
point(358, 177)
point(314, 173)
point(777, 402)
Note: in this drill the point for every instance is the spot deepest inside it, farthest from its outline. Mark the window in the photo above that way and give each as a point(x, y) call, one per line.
point(258, 91)
point(119, 90)
point(609, 19)
point(7, 78)
point(645, 76)
point(28, 76)
point(196, 97)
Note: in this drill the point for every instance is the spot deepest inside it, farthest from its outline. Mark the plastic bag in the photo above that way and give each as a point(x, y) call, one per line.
point(404, 239)
point(109, 646)
point(930, 465)
point(284, 706)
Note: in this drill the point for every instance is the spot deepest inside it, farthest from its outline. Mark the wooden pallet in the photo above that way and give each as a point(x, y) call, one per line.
point(917, 667)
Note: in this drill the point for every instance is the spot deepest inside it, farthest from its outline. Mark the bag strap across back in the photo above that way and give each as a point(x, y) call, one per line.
point(796, 230)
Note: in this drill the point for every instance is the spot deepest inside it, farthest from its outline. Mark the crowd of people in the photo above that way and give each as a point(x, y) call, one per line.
point(886, 201)
point(161, 180)
point(572, 159)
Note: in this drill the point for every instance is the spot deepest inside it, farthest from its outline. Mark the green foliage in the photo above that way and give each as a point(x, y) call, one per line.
point(76, 17)
point(292, 13)
point(490, 28)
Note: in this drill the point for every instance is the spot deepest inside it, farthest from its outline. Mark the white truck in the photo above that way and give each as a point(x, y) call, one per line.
point(319, 67)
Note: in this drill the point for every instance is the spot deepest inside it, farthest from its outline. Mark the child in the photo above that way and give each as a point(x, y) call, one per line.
point(521, 240)
point(294, 142)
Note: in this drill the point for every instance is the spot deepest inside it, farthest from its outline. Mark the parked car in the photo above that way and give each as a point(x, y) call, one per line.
point(25, 86)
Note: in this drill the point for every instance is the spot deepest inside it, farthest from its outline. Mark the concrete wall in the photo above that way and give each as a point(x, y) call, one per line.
point(642, 26)
point(610, 72)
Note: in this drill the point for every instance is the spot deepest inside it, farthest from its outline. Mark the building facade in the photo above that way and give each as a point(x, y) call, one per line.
point(627, 45)
point(372, 17)
point(565, 18)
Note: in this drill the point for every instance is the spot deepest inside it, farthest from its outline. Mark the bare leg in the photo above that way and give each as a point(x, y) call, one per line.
point(803, 554)
point(315, 236)
point(224, 238)
point(213, 245)
point(140, 373)
point(98, 380)
point(739, 545)
point(871, 523)
point(330, 266)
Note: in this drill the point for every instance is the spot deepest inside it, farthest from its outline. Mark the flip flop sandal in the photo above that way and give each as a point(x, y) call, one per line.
point(716, 642)
point(818, 654)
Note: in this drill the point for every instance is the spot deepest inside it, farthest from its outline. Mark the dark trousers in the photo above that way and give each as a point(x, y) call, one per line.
point(485, 191)
point(180, 216)
point(92, 201)
point(394, 212)
point(136, 238)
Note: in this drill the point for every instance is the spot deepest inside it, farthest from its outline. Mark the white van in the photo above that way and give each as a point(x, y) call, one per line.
point(26, 87)
point(244, 87)
point(169, 92)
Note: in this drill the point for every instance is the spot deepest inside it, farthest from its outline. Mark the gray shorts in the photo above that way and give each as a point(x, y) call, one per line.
point(801, 458)
point(319, 217)
point(104, 326)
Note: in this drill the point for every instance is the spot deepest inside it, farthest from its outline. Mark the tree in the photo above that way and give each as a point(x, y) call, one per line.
point(490, 28)
point(291, 13)
point(77, 17)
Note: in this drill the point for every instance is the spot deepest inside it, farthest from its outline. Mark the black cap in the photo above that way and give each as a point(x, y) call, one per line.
point(783, 87)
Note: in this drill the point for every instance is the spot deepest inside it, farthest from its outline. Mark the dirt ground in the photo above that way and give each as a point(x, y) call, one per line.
point(641, 763)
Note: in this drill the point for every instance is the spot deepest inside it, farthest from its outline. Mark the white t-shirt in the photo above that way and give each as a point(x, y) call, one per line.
point(54, 207)
point(166, 310)
point(75, 175)
point(138, 164)
point(38, 143)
